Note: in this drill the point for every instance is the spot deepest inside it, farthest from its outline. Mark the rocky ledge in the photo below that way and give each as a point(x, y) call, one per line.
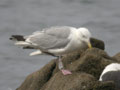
point(86, 67)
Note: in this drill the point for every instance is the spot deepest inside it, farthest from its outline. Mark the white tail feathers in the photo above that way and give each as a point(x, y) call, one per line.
point(38, 52)
point(22, 43)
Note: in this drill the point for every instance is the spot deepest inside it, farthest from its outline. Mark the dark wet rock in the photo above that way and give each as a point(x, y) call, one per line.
point(86, 67)
point(97, 43)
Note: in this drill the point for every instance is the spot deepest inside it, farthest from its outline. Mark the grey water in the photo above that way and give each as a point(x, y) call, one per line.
point(101, 17)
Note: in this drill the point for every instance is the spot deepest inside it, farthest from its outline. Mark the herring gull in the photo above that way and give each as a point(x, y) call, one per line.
point(56, 41)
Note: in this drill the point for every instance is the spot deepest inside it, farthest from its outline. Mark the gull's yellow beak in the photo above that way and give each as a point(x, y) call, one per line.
point(89, 45)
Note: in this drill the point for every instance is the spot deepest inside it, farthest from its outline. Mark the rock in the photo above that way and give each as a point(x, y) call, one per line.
point(75, 81)
point(108, 85)
point(117, 57)
point(86, 67)
point(97, 43)
point(92, 61)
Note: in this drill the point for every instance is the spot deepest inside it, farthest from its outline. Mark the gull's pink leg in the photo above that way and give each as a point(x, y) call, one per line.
point(61, 67)
point(66, 72)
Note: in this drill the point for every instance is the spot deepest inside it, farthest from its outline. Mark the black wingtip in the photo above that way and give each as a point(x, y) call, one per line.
point(28, 47)
point(10, 38)
point(17, 37)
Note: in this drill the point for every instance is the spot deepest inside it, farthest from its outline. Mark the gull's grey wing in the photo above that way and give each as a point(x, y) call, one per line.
point(46, 41)
point(51, 38)
point(60, 32)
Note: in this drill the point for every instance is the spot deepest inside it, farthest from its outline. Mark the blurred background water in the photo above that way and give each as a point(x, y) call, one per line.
point(101, 17)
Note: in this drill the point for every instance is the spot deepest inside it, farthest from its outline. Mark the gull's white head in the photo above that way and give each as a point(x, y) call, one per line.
point(85, 36)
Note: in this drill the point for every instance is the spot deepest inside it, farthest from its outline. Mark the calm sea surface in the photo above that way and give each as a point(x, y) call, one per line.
point(101, 17)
